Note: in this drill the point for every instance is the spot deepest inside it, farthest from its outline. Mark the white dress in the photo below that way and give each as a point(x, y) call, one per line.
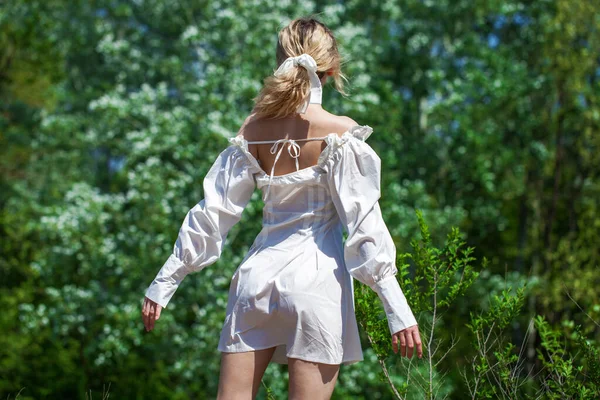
point(294, 287)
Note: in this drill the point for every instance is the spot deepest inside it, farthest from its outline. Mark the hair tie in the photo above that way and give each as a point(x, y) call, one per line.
point(307, 62)
point(303, 60)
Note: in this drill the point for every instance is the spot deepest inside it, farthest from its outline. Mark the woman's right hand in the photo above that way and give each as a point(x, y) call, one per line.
point(409, 340)
point(150, 313)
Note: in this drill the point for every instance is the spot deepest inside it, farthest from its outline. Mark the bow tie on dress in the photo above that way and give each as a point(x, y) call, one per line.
point(308, 63)
point(293, 151)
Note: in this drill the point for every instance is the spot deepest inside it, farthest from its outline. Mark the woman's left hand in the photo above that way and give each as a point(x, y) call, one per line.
point(409, 339)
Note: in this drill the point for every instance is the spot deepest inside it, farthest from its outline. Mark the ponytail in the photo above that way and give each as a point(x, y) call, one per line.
point(285, 92)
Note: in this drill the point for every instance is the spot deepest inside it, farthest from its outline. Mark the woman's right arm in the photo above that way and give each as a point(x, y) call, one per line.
point(228, 186)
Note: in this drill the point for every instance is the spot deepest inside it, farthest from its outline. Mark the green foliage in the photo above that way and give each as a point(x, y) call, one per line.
point(565, 379)
point(494, 366)
point(442, 274)
point(440, 277)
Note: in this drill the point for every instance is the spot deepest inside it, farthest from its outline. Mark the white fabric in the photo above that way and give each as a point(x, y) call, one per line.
point(316, 89)
point(293, 150)
point(294, 287)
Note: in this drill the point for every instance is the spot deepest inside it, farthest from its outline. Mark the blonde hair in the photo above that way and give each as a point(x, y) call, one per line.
point(281, 95)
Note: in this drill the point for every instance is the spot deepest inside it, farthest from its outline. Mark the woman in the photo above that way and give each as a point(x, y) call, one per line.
point(291, 299)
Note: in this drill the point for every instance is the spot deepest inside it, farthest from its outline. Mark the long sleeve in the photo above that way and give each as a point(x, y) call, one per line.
point(354, 176)
point(228, 186)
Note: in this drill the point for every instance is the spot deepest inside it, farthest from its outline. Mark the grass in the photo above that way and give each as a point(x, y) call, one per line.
point(88, 395)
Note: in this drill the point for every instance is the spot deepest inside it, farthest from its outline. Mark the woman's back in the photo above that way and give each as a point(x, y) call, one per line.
point(315, 123)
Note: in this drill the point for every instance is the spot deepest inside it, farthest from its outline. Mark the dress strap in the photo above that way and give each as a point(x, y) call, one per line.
point(291, 140)
point(293, 151)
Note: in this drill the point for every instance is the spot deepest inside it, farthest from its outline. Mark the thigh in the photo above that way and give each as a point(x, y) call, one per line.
point(241, 373)
point(310, 380)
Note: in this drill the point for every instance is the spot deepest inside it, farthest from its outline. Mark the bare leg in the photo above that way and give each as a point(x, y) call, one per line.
point(241, 373)
point(310, 380)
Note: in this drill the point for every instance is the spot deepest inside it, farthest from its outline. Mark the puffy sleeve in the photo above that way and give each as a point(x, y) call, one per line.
point(354, 176)
point(228, 186)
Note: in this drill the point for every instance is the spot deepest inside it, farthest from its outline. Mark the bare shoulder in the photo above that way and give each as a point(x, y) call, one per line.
point(349, 122)
point(248, 127)
point(248, 131)
point(339, 124)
